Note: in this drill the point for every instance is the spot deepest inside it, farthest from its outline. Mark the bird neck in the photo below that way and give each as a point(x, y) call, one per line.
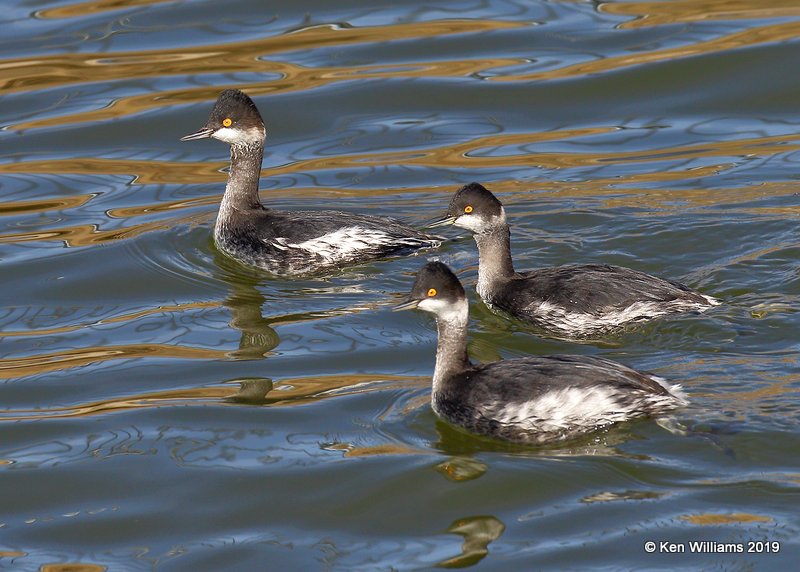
point(241, 192)
point(451, 347)
point(494, 257)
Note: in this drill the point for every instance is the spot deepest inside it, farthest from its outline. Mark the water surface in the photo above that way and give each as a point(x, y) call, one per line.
point(163, 408)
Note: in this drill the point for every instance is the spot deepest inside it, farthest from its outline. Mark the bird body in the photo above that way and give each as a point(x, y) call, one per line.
point(289, 242)
point(589, 299)
point(534, 400)
point(574, 300)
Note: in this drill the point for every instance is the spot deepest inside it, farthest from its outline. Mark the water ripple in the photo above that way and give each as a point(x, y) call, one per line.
point(25, 74)
point(11, 368)
point(497, 151)
point(83, 9)
point(136, 358)
point(648, 14)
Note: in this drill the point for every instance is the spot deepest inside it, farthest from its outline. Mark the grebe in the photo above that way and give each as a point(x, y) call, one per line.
point(528, 400)
point(296, 242)
point(572, 301)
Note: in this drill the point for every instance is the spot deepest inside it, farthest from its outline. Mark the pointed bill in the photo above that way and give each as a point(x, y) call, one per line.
point(203, 133)
point(446, 221)
point(407, 305)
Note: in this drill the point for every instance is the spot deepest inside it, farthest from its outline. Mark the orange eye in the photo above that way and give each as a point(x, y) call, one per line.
point(468, 209)
point(227, 122)
point(432, 292)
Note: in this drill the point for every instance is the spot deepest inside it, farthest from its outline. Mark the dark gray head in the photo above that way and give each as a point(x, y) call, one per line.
point(475, 208)
point(234, 120)
point(437, 290)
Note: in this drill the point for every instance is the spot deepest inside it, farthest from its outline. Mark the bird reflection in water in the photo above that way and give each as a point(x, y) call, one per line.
point(258, 338)
point(252, 390)
point(478, 533)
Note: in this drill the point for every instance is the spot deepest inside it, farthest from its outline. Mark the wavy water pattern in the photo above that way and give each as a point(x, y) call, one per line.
point(165, 408)
point(686, 11)
point(28, 73)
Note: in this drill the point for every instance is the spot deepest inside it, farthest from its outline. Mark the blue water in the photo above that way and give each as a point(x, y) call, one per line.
point(163, 408)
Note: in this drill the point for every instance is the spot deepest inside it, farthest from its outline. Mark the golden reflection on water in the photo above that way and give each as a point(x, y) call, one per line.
point(22, 74)
point(619, 195)
point(258, 336)
point(292, 78)
point(161, 207)
point(619, 192)
point(463, 155)
point(352, 451)
point(289, 392)
point(547, 189)
point(72, 567)
point(144, 172)
point(13, 208)
point(681, 11)
point(709, 519)
point(12, 553)
point(93, 7)
point(467, 155)
point(83, 235)
point(783, 387)
point(749, 37)
point(11, 368)
point(139, 401)
point(59, 70)
point(124, 318)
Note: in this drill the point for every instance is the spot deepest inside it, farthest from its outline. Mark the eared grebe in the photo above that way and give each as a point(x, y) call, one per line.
point(572, 301)
point(288, 243)
point(528, 400)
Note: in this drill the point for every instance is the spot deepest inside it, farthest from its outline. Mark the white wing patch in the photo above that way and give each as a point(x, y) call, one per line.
point(281, 244)
point(577, 409)
point(559, 410)
point(345, 242)
point(560, 319)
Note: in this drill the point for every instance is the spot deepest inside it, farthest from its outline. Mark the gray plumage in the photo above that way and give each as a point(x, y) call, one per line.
point(573, 300)
point(529, 400)
point(289, 242)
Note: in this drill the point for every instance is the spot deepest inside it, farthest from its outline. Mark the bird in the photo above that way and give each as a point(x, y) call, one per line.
point(531, 400)
point(570, 301)
point(289, 243)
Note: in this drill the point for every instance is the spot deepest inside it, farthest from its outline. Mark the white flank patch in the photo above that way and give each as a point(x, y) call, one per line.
point(561, 409)
point(558, 318)
point(572, 409)
point(345, 242)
